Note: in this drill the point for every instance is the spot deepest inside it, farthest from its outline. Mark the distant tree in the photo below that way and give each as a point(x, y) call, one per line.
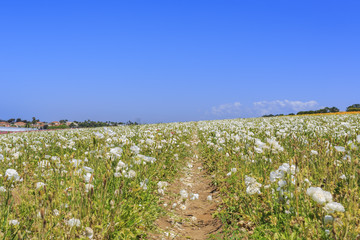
point(131, 123)
point(58, 127)
point(46, 126)
point(334, 109)
point(353, 108)
point(18, 120)
point(33, 120)
point(290, 114)
point(63, 121)
point(323, 110)
point(11, 120)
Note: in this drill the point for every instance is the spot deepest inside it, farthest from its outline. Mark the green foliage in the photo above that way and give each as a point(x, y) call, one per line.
point(323, 110)
point(91, 124)
point(11, 120)
point(58, 127)
point(353, 108)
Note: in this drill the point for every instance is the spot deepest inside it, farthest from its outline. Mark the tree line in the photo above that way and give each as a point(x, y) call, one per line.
point(352, 108)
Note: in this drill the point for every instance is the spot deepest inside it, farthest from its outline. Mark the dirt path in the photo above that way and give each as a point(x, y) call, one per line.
point(190, 217)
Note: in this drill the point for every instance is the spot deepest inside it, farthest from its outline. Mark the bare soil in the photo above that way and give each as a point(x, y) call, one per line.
point(196, 221)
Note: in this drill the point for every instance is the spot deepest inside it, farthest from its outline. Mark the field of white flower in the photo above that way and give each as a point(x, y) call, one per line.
point(98, 183)
point(279, 178)
point(287, 177)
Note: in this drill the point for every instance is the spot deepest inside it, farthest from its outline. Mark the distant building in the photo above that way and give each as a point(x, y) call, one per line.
point(4, 124)
point(20, 124)
point(39, 125)
point(73, 123)
point(55, 123)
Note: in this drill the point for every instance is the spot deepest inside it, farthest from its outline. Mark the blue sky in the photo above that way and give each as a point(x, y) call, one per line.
point(180, 60)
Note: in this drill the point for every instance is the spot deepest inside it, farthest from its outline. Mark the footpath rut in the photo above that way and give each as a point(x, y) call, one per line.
point(190, 217)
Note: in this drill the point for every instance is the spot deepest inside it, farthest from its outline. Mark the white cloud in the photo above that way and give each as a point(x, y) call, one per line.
point(227, 109)
point(260, 108)
point(281, 106)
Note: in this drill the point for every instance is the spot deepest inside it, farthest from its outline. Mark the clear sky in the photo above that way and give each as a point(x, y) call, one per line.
point(178, 60)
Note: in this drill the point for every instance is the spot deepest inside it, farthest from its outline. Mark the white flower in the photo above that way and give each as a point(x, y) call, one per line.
point(14, 222)
point(2, 189)
point(12, 174)
point(282, 183)
point(182, 207)
point(318, 195)
point(116, 151)
point(75, 162)
point(334, 206)
point(209, 198)
point(339, 149)
point(258, 150)
point(149, 141)
point(120, 165)
point(88, 169)
point(274, 144)
point(162, 184)
point(73, 222)
point(131, 174)
point(143, 185)
point(183, 193)
point(343, 177)
point(313, 152)
point(89, 232)
point(40, 185)
point(307, 180)
point(358, 138)
point(233, 170)
point(276, 175)
point(56, 212)
point(194, 196)
point(135, 149)
point(87, 177)
point(170, 234)
point(253, 188)
point(99, 135)
point(88, 187)
point(285, 167)
point(44, 163)
point(328, 219)
point(249, 180)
